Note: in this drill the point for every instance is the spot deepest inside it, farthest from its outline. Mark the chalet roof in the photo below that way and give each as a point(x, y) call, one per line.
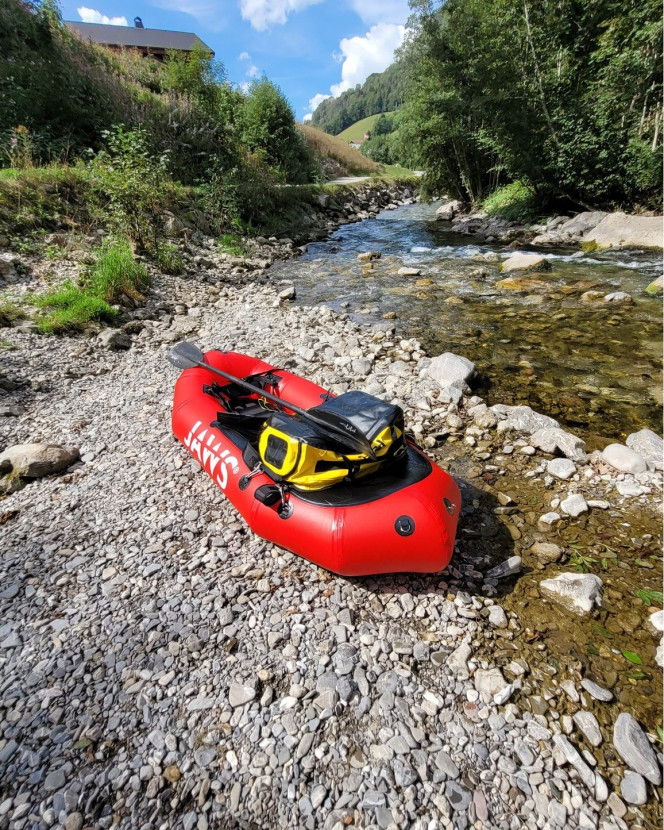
point(130, 36)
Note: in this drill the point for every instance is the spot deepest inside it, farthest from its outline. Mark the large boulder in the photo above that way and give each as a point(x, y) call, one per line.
point(448, 210)
point(624, 459)
point(656, 286)
point(552, 439)
point(38, 460)
point(620, 230)
point(582, 223)
point(451, 370)
point(526, 262)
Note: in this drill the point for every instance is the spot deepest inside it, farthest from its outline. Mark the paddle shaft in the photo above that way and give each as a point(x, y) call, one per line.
point(286, 404)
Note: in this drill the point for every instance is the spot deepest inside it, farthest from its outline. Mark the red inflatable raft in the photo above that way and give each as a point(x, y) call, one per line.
point(391, 521)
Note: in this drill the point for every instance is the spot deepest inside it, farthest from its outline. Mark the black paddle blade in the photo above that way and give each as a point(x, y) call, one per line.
point(185, 355)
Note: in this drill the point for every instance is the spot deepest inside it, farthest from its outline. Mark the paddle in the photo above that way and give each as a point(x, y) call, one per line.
point(187, 355)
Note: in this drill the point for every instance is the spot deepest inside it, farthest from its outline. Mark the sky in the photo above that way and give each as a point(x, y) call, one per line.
point(310, 48)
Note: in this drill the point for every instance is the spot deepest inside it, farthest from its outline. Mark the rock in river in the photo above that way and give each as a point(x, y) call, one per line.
point(649, 446)
point(526, 262)
point(577, 592)
point(450, 370)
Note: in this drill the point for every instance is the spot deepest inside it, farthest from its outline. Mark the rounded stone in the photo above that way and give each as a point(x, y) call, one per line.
point(633, 788)
point(622, 458)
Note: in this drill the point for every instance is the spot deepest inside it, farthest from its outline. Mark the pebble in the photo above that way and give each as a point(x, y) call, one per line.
point(577, 592)
point(588, 725)
point(239, 694)
point(574, 505)
point(598, 692)
point(623, 459)
point(561, 468)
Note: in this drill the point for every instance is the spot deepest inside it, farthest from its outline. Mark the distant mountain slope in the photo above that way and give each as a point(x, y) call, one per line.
point(381, 92)
point(359, 129)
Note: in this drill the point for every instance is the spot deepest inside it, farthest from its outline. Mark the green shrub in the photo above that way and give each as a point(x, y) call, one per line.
point(10, 313)
point(515, 202)
point(116, 272)
point(231, 243)
point(132, 179)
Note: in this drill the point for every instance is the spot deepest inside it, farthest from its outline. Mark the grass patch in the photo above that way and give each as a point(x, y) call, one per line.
point(10, 313)
point(231, 243)
point(396, 171)
point(515, 202)
point(359, 129)
point(71, 308)
point(116, 272)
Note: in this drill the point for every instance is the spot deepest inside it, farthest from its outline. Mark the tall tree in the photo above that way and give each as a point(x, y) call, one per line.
point(562, 94)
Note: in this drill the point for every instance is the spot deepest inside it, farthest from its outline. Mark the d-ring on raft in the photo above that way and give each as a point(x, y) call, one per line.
point(401, 518)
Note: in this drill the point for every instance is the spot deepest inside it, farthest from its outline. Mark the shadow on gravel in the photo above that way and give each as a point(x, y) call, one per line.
point(483, 542)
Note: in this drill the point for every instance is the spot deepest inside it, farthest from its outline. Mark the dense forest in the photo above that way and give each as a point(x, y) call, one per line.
point(381, 92)
point(564, 96)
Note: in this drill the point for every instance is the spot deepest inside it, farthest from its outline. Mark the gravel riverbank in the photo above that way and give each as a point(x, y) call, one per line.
point(160, 666)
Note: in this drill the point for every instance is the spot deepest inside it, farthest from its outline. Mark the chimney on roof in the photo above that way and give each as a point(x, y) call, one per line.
point(138, 23)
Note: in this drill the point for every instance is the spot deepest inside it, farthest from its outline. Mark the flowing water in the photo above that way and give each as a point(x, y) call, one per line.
point(595, 366)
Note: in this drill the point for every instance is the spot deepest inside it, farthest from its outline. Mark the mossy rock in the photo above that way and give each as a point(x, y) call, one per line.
point(655, 286)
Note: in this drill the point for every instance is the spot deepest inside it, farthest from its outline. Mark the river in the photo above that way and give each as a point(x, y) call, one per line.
point(595, 366)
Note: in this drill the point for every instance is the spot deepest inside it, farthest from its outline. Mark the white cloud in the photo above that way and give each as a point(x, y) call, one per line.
point(263, 14)
point(245, 86)
point(362, 56)
point(244, 56)
point(308, 117)
point(253, 71)
point(381, 11)
point(93, 16)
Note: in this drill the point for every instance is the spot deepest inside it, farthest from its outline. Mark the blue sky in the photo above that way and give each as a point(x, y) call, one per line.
point(310, 48)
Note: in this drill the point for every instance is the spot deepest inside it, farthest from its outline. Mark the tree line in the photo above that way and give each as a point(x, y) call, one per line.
point(562, 95)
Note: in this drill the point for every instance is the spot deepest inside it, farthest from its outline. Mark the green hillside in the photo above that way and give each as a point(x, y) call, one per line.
point(381, 92)
point(357, 130)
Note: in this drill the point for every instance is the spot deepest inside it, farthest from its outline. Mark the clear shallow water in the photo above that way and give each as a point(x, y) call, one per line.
point(595, 367)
